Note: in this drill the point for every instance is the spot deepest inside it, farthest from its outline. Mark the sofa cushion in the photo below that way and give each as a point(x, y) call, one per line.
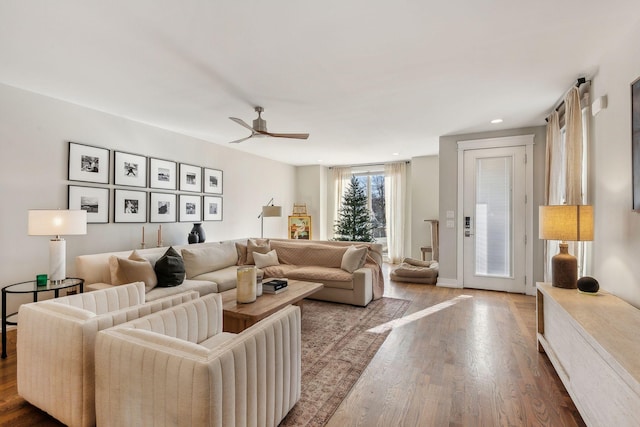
point(133, 269)
point(209, 258)
point(170, 269)
point(281, 270)
point(203, 287)
point(225, 278)
point(260, 246)
point(320, 274)
point(353, 258)
point(266, 260)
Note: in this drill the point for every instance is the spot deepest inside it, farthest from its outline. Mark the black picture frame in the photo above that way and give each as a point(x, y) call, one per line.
point(94, 200)
point(129, 169)
point(212, 181)
point(129, 206)
point(163, 174)
point(635, 142)
point(190, 178)
point(88, 163)
point(163, 207)
point(212, 208)
point(190, 208)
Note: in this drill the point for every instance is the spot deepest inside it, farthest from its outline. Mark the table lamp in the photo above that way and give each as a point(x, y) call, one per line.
point(57, 223)
point(565, 223)
point(268, 211)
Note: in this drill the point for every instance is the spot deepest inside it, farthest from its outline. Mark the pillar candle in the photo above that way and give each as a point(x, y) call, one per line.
point(143, 234)
point(246, 285)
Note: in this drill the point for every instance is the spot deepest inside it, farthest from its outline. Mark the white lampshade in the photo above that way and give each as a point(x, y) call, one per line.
point(271, 211)
point(566, 222)
point(57, 222)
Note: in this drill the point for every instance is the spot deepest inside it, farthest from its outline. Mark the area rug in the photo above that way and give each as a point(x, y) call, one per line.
point(336, 349)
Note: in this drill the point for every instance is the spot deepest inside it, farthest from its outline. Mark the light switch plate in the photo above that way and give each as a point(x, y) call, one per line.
point(451, 214)
point(450, 223)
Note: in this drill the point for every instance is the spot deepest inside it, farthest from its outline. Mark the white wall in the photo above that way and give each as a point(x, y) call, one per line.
point(34, 135)
point(616, 245)
point(311, 189)
point(424, 200)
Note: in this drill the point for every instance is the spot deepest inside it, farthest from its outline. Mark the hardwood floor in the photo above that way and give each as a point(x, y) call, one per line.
point(471, 363)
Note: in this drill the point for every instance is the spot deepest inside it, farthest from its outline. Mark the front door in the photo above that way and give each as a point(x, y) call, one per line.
point(494, 219)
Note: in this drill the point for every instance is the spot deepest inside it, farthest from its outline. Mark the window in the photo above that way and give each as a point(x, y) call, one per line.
point(373, 183)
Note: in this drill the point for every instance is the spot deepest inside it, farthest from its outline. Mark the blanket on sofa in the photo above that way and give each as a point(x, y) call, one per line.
point(324, 255)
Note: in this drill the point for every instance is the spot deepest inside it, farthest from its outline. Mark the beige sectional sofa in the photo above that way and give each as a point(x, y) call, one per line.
point(211, 267)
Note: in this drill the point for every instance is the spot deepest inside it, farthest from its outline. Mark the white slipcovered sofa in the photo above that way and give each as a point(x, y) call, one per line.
point(56, 341)
point(177, 368)
point(211, 267)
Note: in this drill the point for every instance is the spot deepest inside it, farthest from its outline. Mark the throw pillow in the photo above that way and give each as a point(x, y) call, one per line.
point(260, 246)
point(354, 258)
point(212, 257)
point(170, 269)
point(266, 260)
point(242, 253)
point(133, 269)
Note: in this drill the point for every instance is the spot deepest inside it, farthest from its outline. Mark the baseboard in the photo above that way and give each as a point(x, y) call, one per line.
point(448, 283)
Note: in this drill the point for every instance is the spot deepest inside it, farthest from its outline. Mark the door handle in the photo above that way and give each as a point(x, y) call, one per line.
point(467, 233)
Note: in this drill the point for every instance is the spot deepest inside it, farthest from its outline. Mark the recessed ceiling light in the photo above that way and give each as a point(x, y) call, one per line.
point(496, 121)
point(395, 154)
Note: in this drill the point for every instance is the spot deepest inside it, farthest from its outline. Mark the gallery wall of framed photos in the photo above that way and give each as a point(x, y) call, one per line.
point(142, 189)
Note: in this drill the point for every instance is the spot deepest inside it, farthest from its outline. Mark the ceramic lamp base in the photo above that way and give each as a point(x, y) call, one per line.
point(57, 259)
point(564, 269)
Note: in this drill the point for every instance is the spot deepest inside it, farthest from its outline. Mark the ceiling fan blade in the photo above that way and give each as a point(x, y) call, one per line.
point(240, 140)
point(242, 123)
point(287, 135)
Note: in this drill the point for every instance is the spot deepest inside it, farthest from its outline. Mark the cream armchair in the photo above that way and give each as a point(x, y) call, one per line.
point(56, 340)
point(177, 368)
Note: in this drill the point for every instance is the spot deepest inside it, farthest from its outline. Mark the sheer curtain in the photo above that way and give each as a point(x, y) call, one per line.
point(341, 177)
point(554, 182)
point(565, 169)
point(394, 197)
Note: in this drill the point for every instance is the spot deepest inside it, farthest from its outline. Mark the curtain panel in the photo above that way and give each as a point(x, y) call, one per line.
point(395, 176)
point(341, 177)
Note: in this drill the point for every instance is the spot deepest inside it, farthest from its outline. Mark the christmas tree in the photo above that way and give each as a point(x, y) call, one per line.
point(354, 223)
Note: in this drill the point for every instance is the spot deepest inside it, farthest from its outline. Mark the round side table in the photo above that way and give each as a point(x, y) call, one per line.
point(29, 287)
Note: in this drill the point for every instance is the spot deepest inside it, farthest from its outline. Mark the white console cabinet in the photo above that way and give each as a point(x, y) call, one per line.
point(593, 342)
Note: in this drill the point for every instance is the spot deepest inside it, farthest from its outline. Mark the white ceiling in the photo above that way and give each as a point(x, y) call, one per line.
point(366, 78)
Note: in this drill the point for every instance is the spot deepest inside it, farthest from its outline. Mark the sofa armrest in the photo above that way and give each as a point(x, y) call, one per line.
point(251, 379)
point(363, 285)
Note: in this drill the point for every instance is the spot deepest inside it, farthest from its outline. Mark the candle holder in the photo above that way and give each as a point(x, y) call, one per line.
point(246, 286)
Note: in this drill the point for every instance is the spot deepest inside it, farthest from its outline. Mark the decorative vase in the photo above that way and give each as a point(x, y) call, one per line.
point(193, 237)
point(246, 285)
point(199, 230)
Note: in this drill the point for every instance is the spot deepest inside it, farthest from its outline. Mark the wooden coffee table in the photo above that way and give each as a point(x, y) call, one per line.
point(237, 317)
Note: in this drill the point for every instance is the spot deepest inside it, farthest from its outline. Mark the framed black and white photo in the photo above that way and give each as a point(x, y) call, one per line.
point(88, 163)
point(190, 178)
point(129, 206)
point(190, 208)
point(163, 174)
point(212, 181)
point(212, 208)
point(162, 207)
point(129, 169)
point(94, 200)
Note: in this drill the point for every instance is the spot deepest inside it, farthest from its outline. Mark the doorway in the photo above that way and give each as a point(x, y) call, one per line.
point(495, 220)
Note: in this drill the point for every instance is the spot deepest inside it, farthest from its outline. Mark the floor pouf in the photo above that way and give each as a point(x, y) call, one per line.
point(415, 271)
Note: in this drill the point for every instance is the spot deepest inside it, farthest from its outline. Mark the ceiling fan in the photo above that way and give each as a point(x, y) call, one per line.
point(260, 129)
